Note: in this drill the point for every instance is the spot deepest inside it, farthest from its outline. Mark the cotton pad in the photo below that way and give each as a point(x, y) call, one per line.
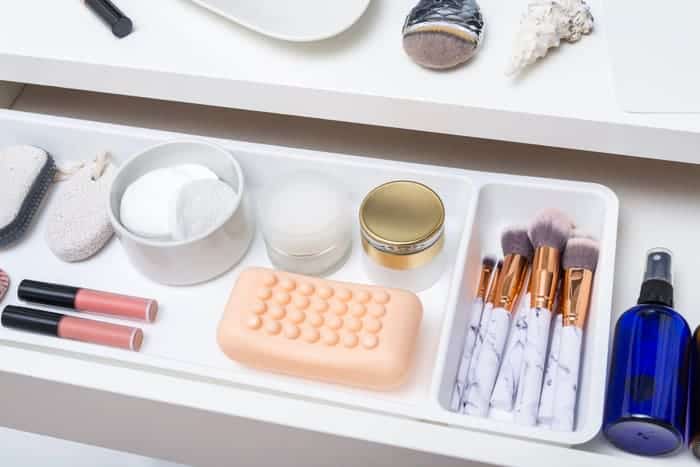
point(200, 206)
point(78, 222)
point(26, 173)
point(147, 203)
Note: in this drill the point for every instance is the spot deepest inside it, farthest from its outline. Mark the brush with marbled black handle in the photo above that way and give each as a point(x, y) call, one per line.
point(488, 265)
point(443, 33)
point(549, 232)
point(485, 364)
point(579, 261)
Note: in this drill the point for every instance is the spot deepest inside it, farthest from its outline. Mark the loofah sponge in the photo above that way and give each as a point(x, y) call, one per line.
point(78, 224)
point(26, 173)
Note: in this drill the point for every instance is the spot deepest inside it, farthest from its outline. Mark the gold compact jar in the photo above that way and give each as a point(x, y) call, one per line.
point(402, 225)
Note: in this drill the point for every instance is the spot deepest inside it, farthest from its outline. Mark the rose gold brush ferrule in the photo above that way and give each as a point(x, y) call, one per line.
point(576, 295)
point(484, 277)
point(544, 277)
point(511, 282)
point(491, 297)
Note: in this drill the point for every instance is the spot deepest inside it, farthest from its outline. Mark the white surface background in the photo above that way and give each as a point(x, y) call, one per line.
point(30, 450)
point(182, 52)
point(659, 206)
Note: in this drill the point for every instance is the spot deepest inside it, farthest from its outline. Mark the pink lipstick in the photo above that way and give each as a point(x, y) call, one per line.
point(69, 327)
point(88, 300)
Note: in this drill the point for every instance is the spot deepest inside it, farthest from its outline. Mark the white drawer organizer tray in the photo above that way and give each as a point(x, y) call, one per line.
point(182, 342)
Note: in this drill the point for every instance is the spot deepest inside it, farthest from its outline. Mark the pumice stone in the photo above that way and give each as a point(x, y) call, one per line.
point(442, 34)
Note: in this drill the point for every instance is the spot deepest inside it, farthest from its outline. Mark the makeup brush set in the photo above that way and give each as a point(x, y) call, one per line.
point(522, 351)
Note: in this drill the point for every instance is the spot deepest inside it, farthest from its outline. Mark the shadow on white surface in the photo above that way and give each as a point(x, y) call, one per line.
point(21, 449)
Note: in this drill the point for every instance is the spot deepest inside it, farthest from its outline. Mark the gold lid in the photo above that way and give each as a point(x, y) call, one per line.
point(402, 217)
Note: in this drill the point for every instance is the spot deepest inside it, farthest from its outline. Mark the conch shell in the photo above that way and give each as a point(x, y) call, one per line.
point(545, 24)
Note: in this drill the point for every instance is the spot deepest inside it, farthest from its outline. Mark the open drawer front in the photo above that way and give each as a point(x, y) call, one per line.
point(181, 345)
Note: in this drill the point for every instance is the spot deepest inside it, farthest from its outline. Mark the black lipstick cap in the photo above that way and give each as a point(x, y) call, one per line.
point(29, 319)
point(120, 24)
point(47, 294)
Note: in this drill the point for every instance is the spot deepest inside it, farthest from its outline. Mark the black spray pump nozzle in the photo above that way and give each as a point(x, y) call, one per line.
point(657, 287)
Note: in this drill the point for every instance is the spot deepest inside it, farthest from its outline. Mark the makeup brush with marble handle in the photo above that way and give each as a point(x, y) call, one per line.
point(481, 332)
point(474, 323)
point(549, 232)
point(546, 409)
point(503, 396)
point(484, 368)
point(579, 261)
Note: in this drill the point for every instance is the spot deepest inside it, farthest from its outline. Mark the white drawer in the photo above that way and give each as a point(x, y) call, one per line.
point(239, 400)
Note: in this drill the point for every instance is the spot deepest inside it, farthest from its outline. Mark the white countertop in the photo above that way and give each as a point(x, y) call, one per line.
point(182, 52)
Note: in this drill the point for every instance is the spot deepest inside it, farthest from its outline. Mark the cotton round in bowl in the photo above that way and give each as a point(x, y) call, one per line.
point(147, 203)
point(200, 206)
point(307, 221)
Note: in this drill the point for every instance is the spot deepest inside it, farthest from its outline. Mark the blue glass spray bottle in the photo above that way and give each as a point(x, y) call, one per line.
point(645, 407)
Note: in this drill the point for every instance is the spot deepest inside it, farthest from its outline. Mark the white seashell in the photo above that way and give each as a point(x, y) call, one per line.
point(545, 24)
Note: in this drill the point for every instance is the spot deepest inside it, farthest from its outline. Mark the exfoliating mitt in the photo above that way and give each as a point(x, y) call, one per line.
point(26, 173)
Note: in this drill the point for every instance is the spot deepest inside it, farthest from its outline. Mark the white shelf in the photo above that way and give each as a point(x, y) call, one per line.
point(181, 52)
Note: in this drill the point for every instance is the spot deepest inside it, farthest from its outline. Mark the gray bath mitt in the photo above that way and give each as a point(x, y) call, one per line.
point(26, 173)
point(78, 221)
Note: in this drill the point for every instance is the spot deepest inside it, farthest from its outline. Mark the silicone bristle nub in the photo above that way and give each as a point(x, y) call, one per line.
point(515, 241)
point(551, 228)
point(488, 262)
point(15, 229)
point(4, 283)
point(581, 253)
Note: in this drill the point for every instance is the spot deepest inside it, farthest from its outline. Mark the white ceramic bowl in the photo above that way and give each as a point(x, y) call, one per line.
point(194, 260)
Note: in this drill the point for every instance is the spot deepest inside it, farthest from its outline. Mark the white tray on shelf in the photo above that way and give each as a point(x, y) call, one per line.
point(182, 342)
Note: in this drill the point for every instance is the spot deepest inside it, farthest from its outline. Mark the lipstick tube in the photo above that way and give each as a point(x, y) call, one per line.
point(65, 296)
point(69, 327)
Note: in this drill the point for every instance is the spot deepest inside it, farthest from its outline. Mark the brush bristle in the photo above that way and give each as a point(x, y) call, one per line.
point(499, 266)
point(514, 240)
point(488, 262)
point(551, 228)
point(581, 252)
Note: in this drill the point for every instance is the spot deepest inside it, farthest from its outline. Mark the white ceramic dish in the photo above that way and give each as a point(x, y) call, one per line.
point(297, 21)
point(185, 262)
point(182, 342)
